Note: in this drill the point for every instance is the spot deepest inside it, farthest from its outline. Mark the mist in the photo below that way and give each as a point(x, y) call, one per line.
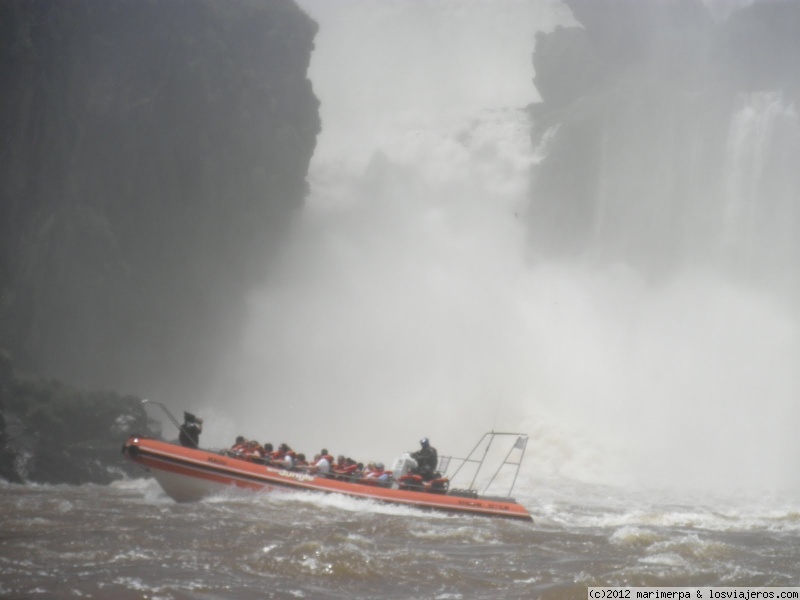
point(411, 300)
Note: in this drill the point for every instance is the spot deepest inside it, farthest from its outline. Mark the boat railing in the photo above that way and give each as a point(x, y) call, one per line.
point(477, 458)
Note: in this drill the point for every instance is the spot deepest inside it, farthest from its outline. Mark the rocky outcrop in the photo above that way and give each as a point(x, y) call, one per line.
point(152, 155)
point(649, 110)
point(54, 433)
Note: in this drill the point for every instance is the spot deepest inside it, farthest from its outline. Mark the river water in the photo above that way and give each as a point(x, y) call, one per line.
point(408, 295)
point(128, 540)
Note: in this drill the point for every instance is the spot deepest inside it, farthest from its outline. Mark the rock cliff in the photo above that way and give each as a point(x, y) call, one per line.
point(152, 155)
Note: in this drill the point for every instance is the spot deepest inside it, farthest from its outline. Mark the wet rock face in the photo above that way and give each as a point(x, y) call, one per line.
point(152, 154)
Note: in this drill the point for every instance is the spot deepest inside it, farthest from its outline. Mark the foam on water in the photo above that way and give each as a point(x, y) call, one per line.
point(309, 545)
point(640, 514)
point(341, 502)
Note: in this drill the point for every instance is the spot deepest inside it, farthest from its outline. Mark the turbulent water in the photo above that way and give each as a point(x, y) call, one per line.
point(129, 541)
point(662, 413)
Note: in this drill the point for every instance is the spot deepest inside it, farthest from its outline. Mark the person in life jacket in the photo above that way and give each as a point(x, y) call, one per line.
point(375, 474)
point(253, 451)
point(322, 463)
point(288, 461)
point(345, 467)
point(380, 473)
point(266, 452)
point(277, 455)
point(238, 445)
point(190, 431)
point(300, 462)
point(427, 460)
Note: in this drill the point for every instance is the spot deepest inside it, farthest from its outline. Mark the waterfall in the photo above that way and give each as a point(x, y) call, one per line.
point(761, 222)
point(410, 301)
point(395, 286)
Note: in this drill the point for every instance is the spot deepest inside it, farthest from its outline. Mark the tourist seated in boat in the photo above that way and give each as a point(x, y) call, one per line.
point(237, 449)
point(266, 452)
point(277, 455)
point(238, 445)
point(427, 460)
point(246, 449)
point(381, 474)
point(374, 474)
point(288, 459)
point(339, 468)
point(300, 462)
point(345, 468)
point(190, 431)
point(252, 451)
point(322, 463)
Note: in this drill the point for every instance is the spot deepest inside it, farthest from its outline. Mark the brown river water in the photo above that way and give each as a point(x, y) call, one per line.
point(129, 540)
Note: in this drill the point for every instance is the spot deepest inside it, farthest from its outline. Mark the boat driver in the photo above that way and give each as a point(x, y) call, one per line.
point(427, 460)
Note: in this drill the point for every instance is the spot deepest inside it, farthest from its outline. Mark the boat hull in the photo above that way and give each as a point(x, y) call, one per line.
point(188, 474)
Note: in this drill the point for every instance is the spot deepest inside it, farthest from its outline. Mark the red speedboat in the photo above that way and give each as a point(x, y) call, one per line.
point(189, 474)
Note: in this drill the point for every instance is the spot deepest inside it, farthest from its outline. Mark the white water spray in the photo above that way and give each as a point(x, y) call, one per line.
point(408, 304)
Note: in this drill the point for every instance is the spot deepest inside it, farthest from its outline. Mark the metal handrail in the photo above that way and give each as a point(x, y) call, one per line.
point(521, 444)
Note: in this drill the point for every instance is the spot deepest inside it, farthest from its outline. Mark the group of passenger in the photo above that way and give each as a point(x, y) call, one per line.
point(323, 463)
point(284, 456)
point(342, 467)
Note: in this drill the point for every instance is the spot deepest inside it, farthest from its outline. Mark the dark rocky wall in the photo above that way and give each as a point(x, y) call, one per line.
point(152, 154)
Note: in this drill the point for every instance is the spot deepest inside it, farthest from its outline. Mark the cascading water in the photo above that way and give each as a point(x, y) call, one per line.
point(411, 303)
point(397, 283)
point(762, 185)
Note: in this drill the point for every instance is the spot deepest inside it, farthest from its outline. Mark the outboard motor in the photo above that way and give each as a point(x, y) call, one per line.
point(403, 464)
